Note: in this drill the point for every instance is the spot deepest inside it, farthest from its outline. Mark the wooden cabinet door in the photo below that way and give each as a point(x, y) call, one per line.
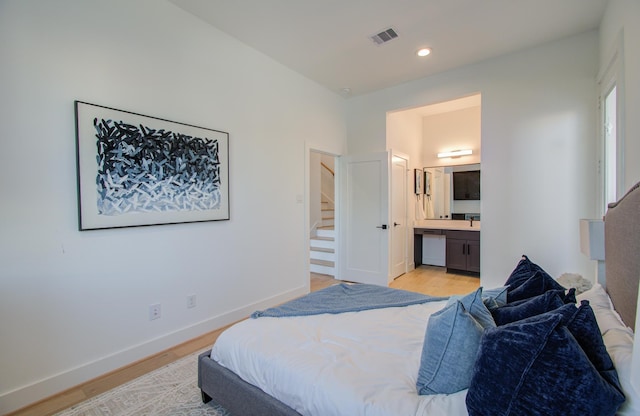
point(456, 254)
point(473, 256)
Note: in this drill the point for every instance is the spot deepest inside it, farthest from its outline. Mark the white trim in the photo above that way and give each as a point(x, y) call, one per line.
point(612, 74)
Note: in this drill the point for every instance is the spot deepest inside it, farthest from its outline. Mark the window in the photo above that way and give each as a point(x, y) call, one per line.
point(611, 161)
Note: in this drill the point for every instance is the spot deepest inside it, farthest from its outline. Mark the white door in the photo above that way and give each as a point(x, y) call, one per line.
point(398, 227)
point(364, 216)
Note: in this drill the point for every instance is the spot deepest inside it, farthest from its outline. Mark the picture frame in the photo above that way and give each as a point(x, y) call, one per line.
point(418, 181)
point(137, 170)
point(427, 183)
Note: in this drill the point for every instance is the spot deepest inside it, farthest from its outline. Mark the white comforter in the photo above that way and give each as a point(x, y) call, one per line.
point(356, 363)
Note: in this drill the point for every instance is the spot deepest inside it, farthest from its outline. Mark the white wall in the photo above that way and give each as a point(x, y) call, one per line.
point(73, 304)
point(538, 148)
point(453, 130)
point(623, 16)
point(404, 135)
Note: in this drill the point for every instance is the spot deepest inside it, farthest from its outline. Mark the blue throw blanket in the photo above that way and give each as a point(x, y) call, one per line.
point(346, 298)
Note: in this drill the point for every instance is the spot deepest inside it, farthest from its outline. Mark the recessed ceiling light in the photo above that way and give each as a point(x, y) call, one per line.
point(423, 52)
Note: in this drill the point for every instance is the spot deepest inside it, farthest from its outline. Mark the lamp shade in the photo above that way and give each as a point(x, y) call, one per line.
point(592, 238)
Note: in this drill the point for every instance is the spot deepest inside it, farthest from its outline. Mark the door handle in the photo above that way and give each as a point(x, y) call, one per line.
point(383, 226)
point(395, 224)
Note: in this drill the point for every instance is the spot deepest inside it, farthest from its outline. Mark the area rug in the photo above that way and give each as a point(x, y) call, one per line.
point(171, 390)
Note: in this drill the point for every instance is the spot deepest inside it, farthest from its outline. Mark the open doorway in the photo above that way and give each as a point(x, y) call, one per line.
point(428, 135)
point(322, 213)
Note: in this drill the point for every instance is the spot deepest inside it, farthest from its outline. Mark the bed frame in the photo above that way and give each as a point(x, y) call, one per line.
point(622, 245)
point(225, 388)
point(621, 248)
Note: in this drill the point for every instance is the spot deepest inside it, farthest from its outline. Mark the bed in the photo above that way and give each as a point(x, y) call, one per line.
point(540, 350)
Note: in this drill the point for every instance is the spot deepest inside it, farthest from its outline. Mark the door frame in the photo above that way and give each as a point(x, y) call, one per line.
point(308, 148)
point(407, 203)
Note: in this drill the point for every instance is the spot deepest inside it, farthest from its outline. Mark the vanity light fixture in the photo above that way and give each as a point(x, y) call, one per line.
point(455, 153)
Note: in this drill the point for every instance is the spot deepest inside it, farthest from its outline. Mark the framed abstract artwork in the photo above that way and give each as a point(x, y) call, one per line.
point(136, 170)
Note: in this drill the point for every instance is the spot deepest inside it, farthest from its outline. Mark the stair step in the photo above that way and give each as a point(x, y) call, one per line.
point(317, 268)
point(316, 243)
point(326, 232)
point(322, 255)
point(323, 249)
point(327, 263)
point(328, 215)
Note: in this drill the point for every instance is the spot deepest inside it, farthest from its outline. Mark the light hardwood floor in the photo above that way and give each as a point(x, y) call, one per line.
point(429, 280)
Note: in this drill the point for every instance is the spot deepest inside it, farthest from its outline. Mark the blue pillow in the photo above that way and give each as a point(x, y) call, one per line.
point(450, 346)
point(494, 298)
point(537, 284)
point(536, 367)
point(537, 305)
point(474, 304)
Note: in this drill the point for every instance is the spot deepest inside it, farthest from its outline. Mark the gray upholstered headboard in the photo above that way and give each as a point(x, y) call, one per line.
point(622, 254)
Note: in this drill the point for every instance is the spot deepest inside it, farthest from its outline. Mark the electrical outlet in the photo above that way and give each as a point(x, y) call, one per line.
point(191, 301)
point(154, 311)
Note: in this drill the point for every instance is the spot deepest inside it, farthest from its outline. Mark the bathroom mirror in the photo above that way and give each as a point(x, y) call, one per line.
point(452, 192)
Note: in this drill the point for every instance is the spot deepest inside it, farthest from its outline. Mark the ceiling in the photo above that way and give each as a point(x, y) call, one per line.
point(328, 41)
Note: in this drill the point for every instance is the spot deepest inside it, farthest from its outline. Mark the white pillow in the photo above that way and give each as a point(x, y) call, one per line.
point(618, 338)
point(601, 304)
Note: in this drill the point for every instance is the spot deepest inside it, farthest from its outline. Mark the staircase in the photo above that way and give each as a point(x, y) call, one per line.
point(322, 250)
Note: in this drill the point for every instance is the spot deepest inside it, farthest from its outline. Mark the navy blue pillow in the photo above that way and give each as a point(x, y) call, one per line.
point(536, 305)
point(536, 367)
point(567, 296)
point(584, 327)
point(570, 296)
point(536, 285)
point(523, 271)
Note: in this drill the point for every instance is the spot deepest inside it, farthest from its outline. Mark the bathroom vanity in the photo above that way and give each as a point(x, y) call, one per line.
point(461, 240)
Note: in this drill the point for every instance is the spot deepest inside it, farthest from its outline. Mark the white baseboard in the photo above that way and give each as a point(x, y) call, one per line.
point(49, 386)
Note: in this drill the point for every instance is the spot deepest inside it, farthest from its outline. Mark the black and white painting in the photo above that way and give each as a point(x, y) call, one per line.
point(138, 170)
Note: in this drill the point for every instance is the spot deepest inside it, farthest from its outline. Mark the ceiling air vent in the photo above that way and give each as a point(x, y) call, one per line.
point(384, 36)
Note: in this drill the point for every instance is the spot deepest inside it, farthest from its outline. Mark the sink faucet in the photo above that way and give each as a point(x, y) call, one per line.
point(470, 221)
